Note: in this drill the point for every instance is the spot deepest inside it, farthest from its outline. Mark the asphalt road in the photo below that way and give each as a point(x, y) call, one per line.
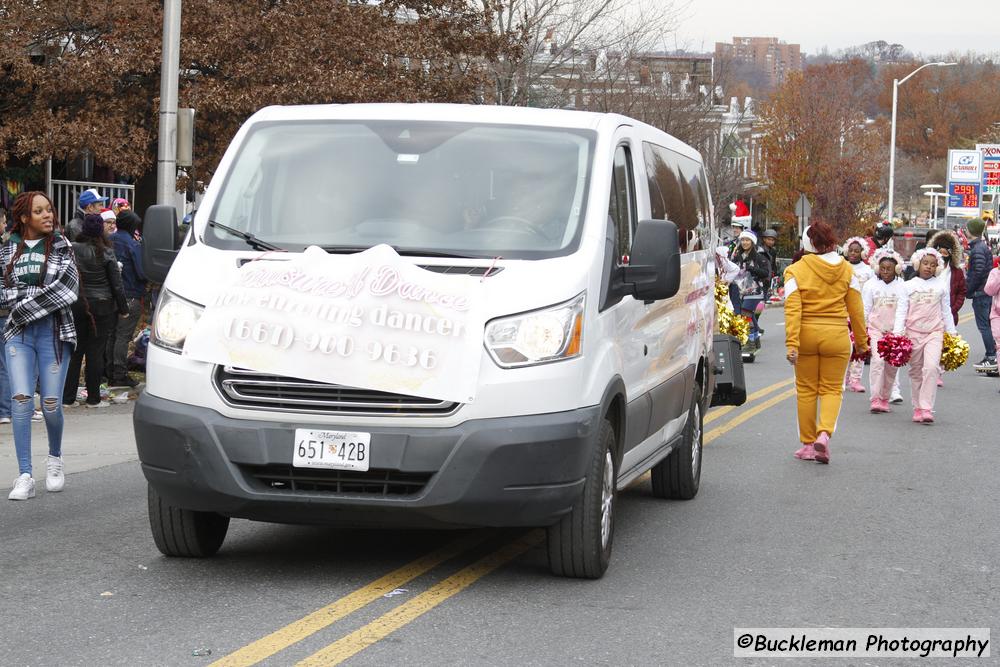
point(899, 531)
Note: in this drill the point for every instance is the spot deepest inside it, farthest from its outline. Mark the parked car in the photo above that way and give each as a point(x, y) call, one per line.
point(592, 236)
point(906, 239)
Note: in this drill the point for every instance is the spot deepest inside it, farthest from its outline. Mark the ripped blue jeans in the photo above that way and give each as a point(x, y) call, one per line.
point(31, 359)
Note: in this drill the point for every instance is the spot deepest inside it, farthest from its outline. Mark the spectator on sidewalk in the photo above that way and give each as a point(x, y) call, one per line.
point(90, 201)
point(992, 288)
point(980, 264)
point(821, 292)
point(40, 284)
point(129, 253)
point(102, 298)
point(125, 214)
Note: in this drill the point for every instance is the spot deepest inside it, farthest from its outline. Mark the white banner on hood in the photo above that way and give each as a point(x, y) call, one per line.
point(369, 320)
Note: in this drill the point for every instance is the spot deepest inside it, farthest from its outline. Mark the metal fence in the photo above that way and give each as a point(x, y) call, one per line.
point(66, 194)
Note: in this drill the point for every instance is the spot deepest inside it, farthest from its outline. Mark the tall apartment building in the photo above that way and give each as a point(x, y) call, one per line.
point(767, 54)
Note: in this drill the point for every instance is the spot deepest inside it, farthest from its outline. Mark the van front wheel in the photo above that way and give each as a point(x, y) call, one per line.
point(580, 544)
point(679, 475)
point(185, 533)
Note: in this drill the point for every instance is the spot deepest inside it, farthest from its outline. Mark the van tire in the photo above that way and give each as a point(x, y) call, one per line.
point(678, 476)
point(576, 544)
point(185, 533)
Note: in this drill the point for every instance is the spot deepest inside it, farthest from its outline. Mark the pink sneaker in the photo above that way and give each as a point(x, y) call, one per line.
point(928, 417)
point(918, 416)
point(940, 382)
point(822, 448)
point(805, 453)
point(879, 406)
point(856, 387)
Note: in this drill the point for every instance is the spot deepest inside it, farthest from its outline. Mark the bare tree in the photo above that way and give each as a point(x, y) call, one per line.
point(563, 40)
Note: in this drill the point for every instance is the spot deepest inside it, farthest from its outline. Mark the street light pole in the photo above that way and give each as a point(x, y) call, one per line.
point(166, 153)
point(896, 83)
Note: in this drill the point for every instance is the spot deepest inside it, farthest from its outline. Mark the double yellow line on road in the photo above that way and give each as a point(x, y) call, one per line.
point(386, 624)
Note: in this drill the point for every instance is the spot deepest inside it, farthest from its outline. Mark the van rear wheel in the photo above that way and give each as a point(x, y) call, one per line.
point(679, 475)
point(184, 533)
point(580, 544)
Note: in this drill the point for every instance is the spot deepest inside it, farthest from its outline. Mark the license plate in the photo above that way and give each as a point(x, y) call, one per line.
point(338, 450)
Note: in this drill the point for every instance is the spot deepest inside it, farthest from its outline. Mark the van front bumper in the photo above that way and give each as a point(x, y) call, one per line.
point(513, 471)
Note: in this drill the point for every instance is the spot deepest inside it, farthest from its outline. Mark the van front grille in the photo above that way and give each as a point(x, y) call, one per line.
point(264, 391)
point(279, 477)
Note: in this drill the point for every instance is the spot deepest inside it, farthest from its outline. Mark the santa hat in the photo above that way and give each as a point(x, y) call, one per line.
point(865, 251)
point(886, 253)
point(923, 252)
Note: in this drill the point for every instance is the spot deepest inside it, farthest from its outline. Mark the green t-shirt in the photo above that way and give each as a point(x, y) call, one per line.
point(28, 268)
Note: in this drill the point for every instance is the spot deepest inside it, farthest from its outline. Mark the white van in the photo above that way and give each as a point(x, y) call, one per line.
point(590, 237)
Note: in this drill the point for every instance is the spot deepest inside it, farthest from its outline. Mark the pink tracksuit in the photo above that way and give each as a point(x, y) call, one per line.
point(993, 289)
point(928, 317)
point(863, 273)
point(885, 312)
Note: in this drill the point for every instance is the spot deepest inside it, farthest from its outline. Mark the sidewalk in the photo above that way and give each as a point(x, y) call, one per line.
point(91, 439)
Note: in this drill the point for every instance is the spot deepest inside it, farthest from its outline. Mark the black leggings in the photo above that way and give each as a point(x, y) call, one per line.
point(89, 344)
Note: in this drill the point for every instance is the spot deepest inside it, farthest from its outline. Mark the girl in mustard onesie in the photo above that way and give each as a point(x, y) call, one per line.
point(821, 291)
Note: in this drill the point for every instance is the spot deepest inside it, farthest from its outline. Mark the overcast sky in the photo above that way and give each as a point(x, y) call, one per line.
point(922, 26)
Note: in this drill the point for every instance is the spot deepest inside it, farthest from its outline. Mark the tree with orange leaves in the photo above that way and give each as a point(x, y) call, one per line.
point(77, 76)
point(819, 142)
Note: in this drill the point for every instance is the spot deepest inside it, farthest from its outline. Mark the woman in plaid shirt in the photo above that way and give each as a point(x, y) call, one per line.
point(40, 283)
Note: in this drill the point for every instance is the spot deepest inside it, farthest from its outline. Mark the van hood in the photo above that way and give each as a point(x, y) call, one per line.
point(512, 286)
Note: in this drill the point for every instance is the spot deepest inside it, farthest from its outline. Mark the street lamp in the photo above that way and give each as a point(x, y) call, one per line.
point(930, 192)
point(896, 83)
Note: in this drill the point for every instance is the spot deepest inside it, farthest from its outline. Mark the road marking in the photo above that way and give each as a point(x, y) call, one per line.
point(749, 414)
point(393, 620)
point(965, 318)
point(716, 413)
point(294, 632)
point(381, 627)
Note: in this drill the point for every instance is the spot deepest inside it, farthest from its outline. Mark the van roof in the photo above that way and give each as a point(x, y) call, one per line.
point(482, 113)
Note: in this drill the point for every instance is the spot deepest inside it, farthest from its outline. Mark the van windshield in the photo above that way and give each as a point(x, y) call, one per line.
point(441, 188)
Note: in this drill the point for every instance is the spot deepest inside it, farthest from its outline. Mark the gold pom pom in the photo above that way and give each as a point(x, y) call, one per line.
point(954, 352)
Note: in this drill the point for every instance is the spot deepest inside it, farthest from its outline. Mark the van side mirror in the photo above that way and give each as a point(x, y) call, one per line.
point(654, 270)
point(160, 240)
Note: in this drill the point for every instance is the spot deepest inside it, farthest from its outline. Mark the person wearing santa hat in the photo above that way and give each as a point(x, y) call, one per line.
point(855, 251)
point(928, 318)
point(751, 281)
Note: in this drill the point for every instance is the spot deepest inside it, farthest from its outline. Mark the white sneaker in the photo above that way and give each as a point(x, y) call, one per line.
point(4, 420)
point(37, 416)
point(24, 488)
point(102, 404)
point(896, 398)
point(55, 480)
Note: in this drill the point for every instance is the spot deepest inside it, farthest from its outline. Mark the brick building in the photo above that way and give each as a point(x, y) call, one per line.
point(766, 54)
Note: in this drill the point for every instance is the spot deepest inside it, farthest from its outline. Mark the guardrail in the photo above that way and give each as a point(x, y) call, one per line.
point(66, 194)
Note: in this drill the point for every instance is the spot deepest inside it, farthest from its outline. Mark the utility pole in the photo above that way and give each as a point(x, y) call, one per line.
point(166, 154)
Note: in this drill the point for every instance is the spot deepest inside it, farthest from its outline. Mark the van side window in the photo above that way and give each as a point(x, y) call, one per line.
point(677, 193)
point(621, 203)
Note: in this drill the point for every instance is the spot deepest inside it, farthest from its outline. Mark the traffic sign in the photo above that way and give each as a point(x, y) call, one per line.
point(803, 208)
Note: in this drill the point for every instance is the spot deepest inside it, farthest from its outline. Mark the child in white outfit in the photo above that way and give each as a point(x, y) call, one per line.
point(928, 317)
point(856, 252)
point(884, 298)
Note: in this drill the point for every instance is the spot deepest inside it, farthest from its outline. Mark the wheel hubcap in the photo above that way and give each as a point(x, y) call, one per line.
point(607, 498)
point(696, 441)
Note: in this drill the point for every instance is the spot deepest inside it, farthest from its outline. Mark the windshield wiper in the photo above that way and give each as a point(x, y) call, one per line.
point(251, 240)
point(402, 252)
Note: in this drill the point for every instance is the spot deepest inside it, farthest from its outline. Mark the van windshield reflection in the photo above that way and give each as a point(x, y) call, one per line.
point(437, 189)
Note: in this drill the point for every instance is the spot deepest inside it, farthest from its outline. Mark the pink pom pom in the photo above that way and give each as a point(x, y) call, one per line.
point(896, 350)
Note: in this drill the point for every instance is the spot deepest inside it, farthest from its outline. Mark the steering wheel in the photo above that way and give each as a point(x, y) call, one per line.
point(510, 223)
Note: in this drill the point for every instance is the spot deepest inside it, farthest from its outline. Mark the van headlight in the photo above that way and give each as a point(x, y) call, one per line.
point(175, 318)
point(550, 334)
